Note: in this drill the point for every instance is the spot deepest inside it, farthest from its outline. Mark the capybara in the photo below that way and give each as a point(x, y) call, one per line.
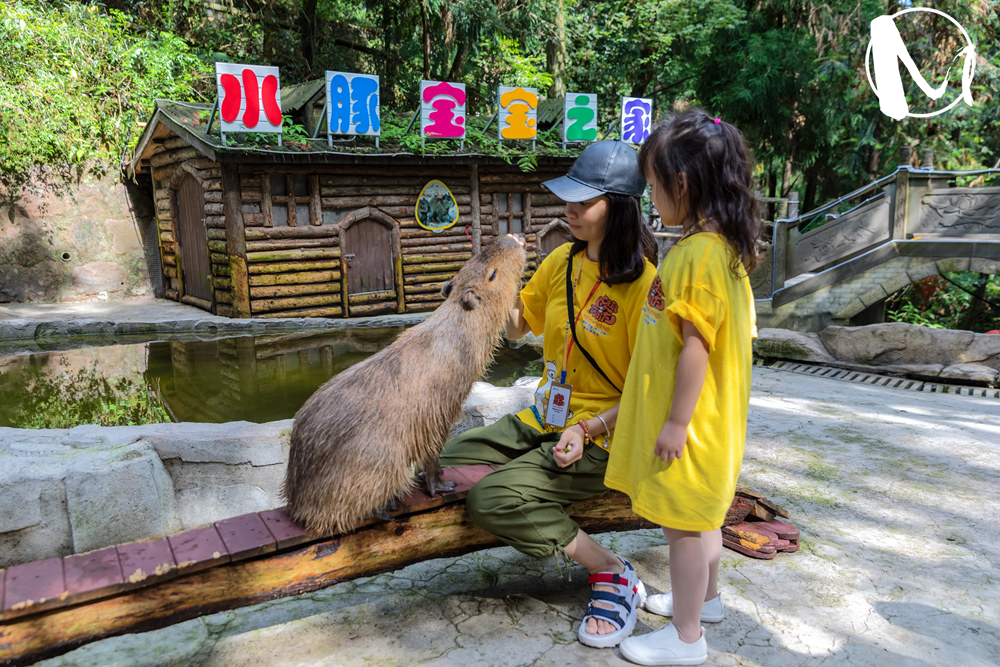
point(356, 440)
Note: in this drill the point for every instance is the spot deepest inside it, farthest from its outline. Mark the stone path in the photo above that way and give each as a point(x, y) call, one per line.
point(895, 493)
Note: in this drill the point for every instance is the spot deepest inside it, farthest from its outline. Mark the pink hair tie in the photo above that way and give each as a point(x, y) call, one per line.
point(717, 121)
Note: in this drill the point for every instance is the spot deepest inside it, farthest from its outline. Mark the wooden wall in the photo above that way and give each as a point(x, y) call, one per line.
point(296, 221)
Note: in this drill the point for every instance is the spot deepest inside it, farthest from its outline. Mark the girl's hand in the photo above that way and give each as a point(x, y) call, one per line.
point(569, 449)
point(671, 441)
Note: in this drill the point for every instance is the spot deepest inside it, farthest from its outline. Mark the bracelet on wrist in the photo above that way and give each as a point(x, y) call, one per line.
point(607, 431)
point(587, 439)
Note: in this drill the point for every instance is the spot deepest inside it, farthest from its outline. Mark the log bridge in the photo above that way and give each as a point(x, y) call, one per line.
point(52, 606)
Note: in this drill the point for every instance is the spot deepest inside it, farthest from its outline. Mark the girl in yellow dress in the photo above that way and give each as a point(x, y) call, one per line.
point(678, 445)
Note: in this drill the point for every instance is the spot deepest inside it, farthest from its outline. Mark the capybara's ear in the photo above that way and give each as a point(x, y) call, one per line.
point(446, 289)
point(470, 299)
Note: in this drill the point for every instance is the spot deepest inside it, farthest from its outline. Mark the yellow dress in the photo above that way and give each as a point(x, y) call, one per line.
point(694, 283)
point(607, 329)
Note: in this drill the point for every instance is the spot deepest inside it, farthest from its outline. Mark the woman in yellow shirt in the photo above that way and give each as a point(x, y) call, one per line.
point(585, 298)
point(682, 423)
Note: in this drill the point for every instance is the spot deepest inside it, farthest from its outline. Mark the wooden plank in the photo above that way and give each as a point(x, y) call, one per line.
point(291, 244)
point(147, 561)
point(33, 586)
point(245, 536)
point(198, 549)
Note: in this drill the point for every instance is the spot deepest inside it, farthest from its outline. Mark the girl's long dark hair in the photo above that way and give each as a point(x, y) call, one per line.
point(717, 164)
point(627, 242)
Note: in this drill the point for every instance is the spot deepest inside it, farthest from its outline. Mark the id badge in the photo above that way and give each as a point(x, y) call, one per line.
point(558, 408)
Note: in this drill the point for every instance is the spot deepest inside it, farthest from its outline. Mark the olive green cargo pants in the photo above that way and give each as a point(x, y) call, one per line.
point(523, 503)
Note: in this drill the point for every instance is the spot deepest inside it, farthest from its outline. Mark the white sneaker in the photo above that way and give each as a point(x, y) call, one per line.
point(663, 604)
point(664, 647)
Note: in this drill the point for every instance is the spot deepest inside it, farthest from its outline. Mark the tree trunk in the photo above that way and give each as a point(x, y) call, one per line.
point(426, 38)
point(307, 25)
point(555, 53)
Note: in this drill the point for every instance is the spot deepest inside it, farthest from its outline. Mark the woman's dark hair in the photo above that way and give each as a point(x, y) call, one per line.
point(714, 158)
point(627, 241)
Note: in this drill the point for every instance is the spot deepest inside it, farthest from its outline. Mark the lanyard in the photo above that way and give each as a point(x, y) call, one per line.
point(569, 345)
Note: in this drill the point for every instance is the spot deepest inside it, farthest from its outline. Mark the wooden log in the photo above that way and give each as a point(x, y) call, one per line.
point(217, 246)
point(371, 297)
point(432, 268)
point(269, 233)
point(218, 258)
point(423, 288)
point(271, 291)
point(423, 278)
point(294, 267)
point(294, 278)
point(223, 296)
point(290, 244)
point(410, 239)
point(271, 305)
point(366, 309)
point(428, 246)
point(281, 255)
point(222, 282)
point(215, 221)
point(216, 234)
point(437, 257)
point(235, 241)
point(426, 298)
point(331, 311)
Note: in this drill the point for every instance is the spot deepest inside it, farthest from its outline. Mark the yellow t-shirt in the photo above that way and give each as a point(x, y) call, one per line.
point(694, 283)
point(606, 328)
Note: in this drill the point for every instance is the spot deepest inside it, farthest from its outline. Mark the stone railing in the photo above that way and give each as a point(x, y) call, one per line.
point(910, 203)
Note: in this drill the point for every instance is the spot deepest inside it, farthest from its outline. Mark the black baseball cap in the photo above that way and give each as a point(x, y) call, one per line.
point(604, 166)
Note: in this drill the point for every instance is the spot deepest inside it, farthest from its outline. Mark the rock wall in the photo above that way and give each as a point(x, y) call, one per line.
point(84, 244)
point(894, 348)
point(65, 491)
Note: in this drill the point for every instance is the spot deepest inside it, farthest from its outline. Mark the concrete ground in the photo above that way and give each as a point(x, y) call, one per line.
point(895, 492)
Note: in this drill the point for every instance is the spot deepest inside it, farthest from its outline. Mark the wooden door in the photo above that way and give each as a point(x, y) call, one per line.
point(554, 236)
point(193, 240)
point(367, 248)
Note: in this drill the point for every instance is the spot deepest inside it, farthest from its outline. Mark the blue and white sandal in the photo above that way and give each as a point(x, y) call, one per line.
point(629, 596)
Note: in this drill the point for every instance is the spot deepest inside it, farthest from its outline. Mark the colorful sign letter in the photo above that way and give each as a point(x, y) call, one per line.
point(352, 103)
point(580, 117)
point(442, 109)
point(249, 97)
point(436, 209)
point(518, 112)
point(637, 119)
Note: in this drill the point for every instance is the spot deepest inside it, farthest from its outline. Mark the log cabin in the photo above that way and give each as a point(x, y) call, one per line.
point(312, 230)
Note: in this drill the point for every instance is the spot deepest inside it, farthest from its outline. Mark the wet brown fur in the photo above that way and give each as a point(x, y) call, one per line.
point(356, 439)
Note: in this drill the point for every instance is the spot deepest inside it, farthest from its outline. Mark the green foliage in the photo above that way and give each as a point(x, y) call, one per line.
point(74, 80)
point(86, 397)
point(960, 300)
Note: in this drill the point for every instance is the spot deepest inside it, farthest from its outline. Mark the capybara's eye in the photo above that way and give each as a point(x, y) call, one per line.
point(493, 276)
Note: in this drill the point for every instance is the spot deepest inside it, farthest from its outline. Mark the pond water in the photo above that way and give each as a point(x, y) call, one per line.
point(254, 378)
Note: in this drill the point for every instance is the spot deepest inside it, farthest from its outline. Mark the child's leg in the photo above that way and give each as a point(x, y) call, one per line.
point(712, 540)
point(689, 578)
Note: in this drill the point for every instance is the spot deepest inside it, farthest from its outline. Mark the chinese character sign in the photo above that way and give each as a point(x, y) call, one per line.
point(580, 117)
point(442, 109)
point(352, 103)
point(637, 119)
point(518, 112)
point(249, 97)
